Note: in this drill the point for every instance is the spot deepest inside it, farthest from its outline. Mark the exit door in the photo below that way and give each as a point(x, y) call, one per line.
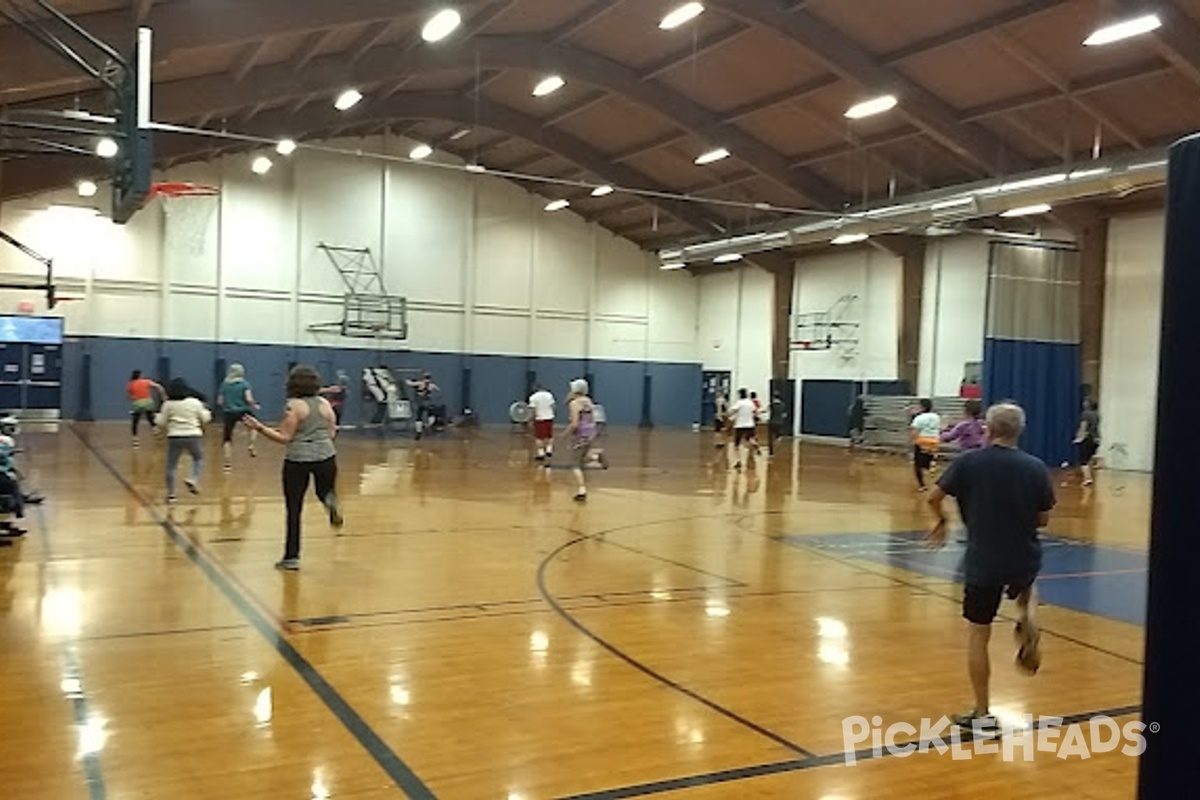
point(714, 384)
point(30, 377)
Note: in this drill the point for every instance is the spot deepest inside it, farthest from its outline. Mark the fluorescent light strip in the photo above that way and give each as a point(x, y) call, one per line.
point(601, 191)
point(728, 258)
point(1027, 211)
point(673, 265)
point(441, 25)
point(1080, 174)
point(712, 156)
point(850, 238)
point(958, 202)
point(420, 152)
point(682, 15)
point(870, 108)
point(1033, 183)
point(347, 100)
point(557, 205)
point(548, 86)
point(1124, 30)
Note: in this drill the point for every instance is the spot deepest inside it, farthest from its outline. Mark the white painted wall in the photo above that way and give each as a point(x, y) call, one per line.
point(1129, 361)
point(953, 311)
point(736, 313)
point(484, 268)
point(873, 278)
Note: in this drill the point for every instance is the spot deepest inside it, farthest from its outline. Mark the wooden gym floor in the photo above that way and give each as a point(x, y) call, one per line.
point(691, 632)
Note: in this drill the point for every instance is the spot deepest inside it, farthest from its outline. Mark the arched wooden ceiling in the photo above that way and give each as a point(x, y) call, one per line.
point(986, 88)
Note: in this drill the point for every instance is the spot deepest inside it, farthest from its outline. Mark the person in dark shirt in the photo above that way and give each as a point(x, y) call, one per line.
point(1004, 497)
point(1087, 439)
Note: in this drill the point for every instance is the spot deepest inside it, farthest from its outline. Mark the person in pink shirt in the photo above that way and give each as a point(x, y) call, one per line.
point(970, 433)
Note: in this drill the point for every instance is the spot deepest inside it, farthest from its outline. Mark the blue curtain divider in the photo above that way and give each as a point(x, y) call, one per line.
point(1044, 378)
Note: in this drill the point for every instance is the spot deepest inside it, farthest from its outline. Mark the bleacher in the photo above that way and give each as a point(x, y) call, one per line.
point(887, 420)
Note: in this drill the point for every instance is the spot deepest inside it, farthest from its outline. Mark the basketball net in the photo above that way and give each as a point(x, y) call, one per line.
point(188, 209)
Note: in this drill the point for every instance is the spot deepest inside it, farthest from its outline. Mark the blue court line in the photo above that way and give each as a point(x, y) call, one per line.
point(1097, 580)
point(384, 756)
point(571, 620)
point(801, 764)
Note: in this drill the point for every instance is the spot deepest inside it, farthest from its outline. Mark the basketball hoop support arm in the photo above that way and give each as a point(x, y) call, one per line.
point(48, 263)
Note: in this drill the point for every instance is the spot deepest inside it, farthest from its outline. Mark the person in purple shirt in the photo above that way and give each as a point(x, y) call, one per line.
point(971, 433)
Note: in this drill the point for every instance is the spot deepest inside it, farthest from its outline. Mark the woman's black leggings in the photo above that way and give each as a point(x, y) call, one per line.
point(922, 461)
point(137, 415)
point(296, 475)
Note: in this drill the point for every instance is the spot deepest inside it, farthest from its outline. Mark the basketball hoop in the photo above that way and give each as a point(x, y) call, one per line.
point(187, 214)
point(175, 189)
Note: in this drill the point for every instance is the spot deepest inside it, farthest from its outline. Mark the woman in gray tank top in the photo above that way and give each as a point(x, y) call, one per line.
point(308, 429)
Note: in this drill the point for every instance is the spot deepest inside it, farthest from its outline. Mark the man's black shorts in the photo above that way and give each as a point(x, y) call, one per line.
point(981, 603)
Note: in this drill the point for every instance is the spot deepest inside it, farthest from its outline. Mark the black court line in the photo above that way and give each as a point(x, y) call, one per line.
point(638, 665)
point(384, 756)
point(814, 762)
point(107, 637)
point(672, 562)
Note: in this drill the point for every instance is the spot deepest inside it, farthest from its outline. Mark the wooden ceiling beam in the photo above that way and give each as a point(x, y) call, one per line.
point(589, 102)
point(894, 58)
point(846, 58)
point(184, 99)
point(593, 12)
point(1035, 64)
point(248, 59)
point(658, 143)
point(686, 54)
point(451, 108)
point(316, 41)
point(26, 71)
point(1179, 39)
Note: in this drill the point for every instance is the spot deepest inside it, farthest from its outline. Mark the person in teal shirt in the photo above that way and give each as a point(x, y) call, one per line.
point(236, 400)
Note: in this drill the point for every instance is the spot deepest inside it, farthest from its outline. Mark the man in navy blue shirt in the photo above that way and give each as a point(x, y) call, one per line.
point(1004, 496)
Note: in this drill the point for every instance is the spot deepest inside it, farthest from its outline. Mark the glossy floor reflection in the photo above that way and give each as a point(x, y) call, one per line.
point(691, 631)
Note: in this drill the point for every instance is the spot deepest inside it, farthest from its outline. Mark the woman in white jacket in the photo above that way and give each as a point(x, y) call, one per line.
point(183, 416)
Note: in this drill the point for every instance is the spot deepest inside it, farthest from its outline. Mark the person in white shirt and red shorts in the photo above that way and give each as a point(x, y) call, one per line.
point(541, 404)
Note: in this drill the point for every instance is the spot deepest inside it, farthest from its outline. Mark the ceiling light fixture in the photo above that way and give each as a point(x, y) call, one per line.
point(681, 15)
point(441, 25)
point(728, 258)
point(850, 238)
point(673, 265)
point(1126, 29)
point(261, 165)
point(285, 147)
point(601, 191)
point(557, 205)
point(107, 148)
point(869, 108)
point(420, 152)
point(712, 156)
point(347, 100)
point(462, 133)
point(1027, 211)
point(475, 168)
point(548, 86)
point(86, 188)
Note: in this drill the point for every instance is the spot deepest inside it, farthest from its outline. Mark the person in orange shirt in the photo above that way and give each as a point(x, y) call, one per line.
point(142, 393)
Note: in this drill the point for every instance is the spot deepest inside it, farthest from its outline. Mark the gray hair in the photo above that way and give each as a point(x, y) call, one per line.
point(1006, 421)
point(235, 372)
point(579, 386)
